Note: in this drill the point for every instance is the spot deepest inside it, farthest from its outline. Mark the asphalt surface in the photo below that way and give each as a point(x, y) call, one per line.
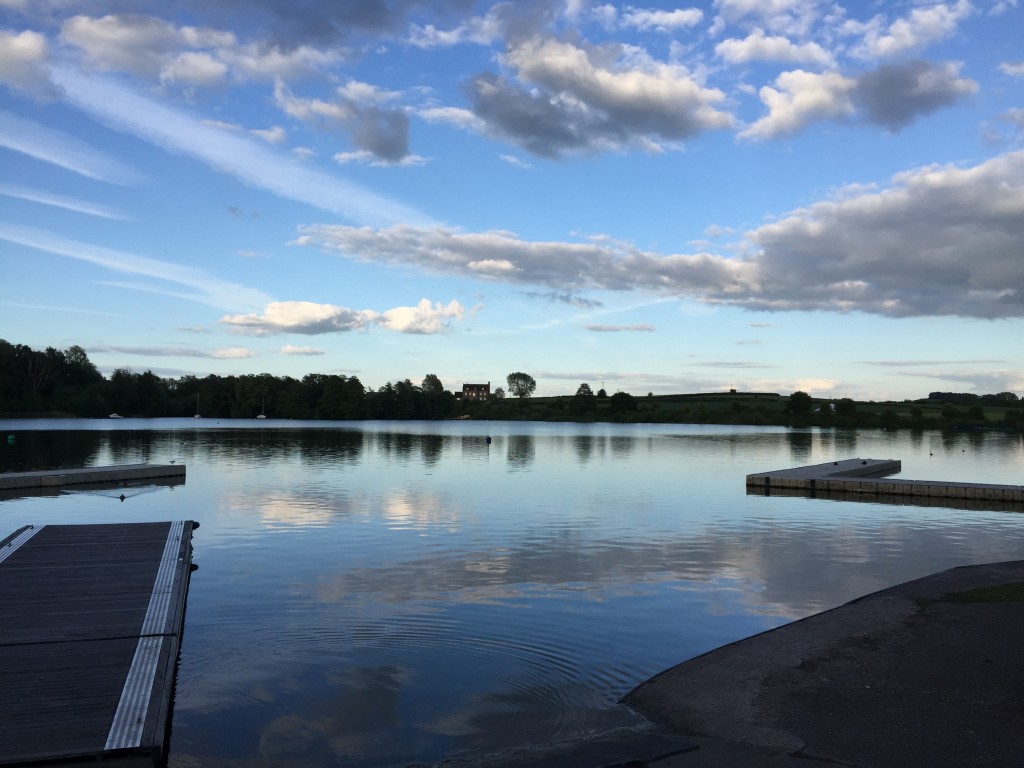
point(926, 673)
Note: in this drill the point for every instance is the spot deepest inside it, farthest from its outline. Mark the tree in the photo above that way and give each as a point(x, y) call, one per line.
point(622, 402)
point(499, 394)
point(520, 384)
point(583, 400)
point(432, 384)
point(799, 403)
point(601, 392)
point(845, 407)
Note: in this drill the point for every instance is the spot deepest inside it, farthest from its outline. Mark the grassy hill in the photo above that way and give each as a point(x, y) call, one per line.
point(757, 408)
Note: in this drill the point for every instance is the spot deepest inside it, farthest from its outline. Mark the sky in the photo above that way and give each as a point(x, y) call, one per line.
point(766, 195)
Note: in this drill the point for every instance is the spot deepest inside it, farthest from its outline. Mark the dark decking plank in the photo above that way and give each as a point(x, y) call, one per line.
point(58, 698)
point(73, 582)
point(73, 600)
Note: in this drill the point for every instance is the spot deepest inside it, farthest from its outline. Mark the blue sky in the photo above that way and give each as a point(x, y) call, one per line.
point(771, 195)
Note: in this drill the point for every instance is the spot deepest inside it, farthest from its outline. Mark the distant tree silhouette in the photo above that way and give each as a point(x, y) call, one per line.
point(520, 384)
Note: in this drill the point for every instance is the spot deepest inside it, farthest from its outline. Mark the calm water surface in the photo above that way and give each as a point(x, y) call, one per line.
point(379, 593)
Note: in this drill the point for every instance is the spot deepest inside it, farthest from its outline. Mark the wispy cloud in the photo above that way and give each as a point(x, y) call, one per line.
point(250, 161)
point(204, 287)
point(227, 353)
point(641, 327)
point(53, 308)
point(564, 298)
point(63, 150)
point(59, 201)
point(919, 363)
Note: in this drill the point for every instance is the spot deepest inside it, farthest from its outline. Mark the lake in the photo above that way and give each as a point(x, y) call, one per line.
point(380, 593)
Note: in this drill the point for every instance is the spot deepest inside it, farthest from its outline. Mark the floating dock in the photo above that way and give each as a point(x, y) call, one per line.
point(867, 480)
point(92, 623)
point(53, 478)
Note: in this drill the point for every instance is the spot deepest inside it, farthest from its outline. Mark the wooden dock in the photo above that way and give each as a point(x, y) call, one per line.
point(92, 617)
point(53, 478)
point(867, 480)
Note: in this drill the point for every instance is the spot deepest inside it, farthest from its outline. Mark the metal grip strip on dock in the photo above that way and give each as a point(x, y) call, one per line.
point(18, 540)
point(160, 602)
point(130, 718)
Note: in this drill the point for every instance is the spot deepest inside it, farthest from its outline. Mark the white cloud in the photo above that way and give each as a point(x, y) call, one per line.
point(789, 17)
point(899, 251)
point(24, 62)
point(939, 241)
point(304, 317)
point(357, 111)
point(456, 116)
point(275, 135)
point(504, 257)
point(639, 327)
point(576, 99)
point(291, 349)
point(194, 68)
point(920, 28)
point(140, 45)
point(423, 318)
point(365, 157)
point(233, 353)
point(798, 99)
point(1012, 68)
point(150, 47)
point(647, 20)
point(480, 30)
point(310, 318)
point(893, 96)
point(513, 160)
point(759, 47)
point(259, 62)
point(251, 162)
point(491, 266)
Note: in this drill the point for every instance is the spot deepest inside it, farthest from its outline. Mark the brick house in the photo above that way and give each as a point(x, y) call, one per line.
point(476, 391)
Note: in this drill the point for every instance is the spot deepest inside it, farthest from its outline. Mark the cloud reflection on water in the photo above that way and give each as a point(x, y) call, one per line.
point(376, 596)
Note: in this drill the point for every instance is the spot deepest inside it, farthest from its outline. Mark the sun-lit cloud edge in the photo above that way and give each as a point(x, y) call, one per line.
point(312, 319)
point(895, 251)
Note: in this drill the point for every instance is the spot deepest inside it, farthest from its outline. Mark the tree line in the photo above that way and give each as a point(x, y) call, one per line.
point(65, 382)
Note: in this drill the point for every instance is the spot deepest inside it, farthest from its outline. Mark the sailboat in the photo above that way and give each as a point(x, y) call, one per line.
point(263, 408)
point(197, 416)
